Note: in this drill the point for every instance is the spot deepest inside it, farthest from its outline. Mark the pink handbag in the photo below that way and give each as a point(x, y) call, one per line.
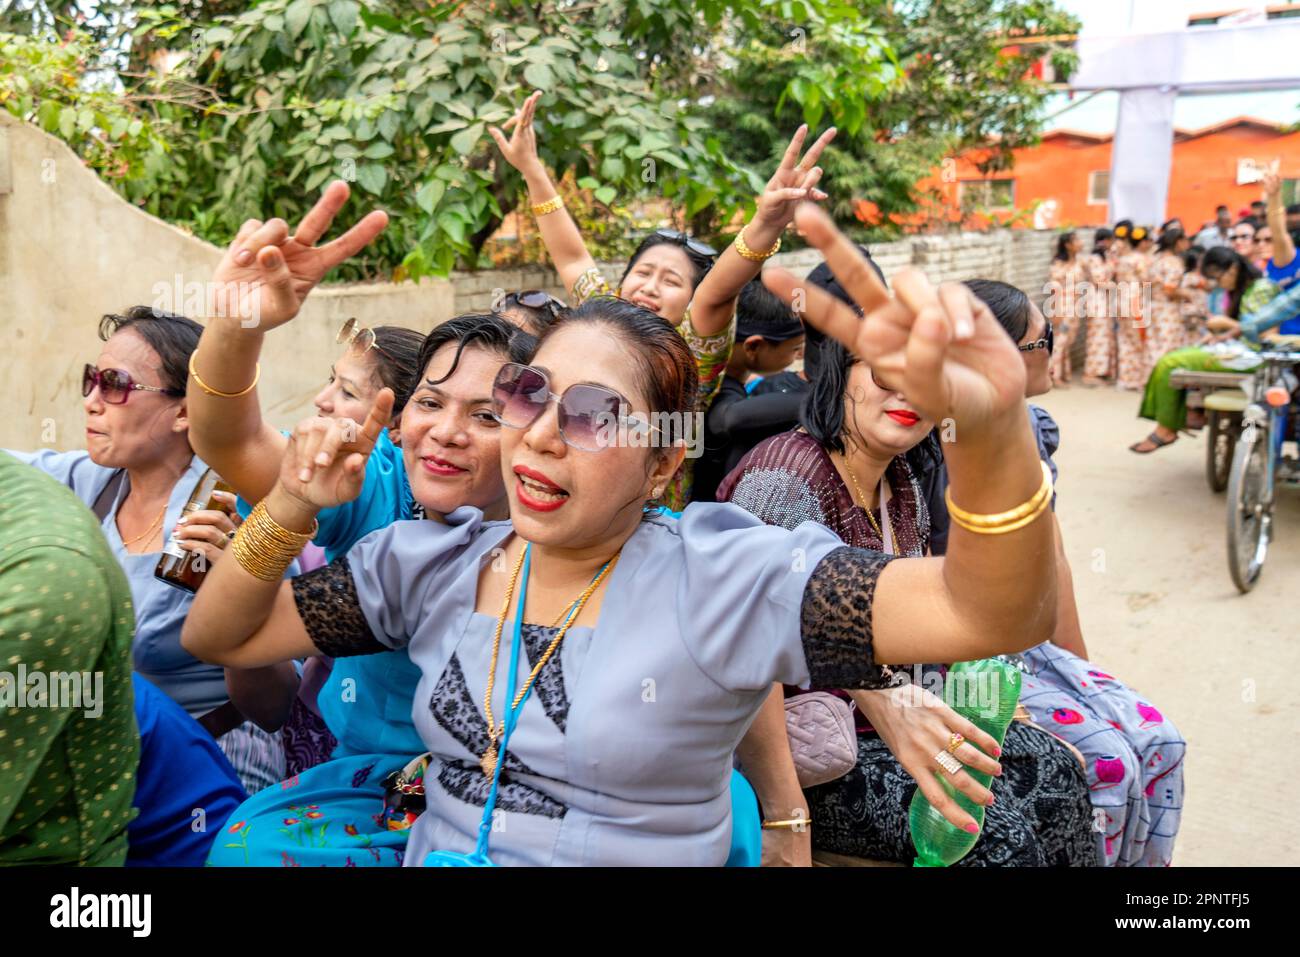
point(823, 741)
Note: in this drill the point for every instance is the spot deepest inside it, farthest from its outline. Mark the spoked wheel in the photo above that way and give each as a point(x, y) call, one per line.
point(1221, 429)
point(1250, 508)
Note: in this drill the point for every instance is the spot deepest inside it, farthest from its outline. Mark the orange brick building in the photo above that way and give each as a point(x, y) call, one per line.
point(1064, 181)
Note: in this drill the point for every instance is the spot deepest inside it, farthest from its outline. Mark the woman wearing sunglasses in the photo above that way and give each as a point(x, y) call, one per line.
point(640, 646)
point(859, 466)
point(1132, 754)
point(674, 276)
point(136, 474)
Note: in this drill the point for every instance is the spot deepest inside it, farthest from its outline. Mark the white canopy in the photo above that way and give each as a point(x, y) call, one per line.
point(1150, 69)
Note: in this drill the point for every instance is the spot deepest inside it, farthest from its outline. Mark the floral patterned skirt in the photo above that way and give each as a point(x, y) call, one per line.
point(328, 816)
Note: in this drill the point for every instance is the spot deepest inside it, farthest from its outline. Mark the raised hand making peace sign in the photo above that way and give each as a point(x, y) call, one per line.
point(941, 347)
point(266, 273)
point(795, 180)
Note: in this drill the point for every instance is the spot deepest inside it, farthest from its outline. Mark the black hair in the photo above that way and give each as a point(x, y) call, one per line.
point(174, 338)
point(1221, 259)
point(536, 319)
point(1247, 221)
point(482, 330)
point(1293, 209)
point(823, 278)
point(1009, 305)
point(1063, 240)
point(700, 263)
point(1219, 209)
point(1192, 260)
point(396, 361)
point(760, 311)
point(1169, 239)
point(823, 417)
point(665, 367)
point(1102, 234)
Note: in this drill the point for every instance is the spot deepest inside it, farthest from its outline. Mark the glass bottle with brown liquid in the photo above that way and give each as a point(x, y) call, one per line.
point(178, 567)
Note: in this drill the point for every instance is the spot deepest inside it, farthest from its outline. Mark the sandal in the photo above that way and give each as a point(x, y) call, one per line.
point(1156, 443)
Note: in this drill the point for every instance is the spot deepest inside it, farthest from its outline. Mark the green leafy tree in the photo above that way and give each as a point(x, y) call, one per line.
point(962, 81)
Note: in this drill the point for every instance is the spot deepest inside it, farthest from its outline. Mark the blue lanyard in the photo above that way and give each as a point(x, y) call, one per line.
point(512, 715)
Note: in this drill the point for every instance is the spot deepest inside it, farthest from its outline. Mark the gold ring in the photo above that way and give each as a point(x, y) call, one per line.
point(955, 741)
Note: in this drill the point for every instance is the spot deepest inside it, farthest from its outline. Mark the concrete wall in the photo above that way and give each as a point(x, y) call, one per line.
point(71, 249)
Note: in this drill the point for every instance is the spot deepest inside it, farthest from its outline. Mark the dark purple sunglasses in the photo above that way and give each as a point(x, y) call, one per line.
point(589, 415)
point(115, 385)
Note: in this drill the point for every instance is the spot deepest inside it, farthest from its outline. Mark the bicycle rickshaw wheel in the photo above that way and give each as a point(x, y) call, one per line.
point(1250, 510)
point(1222, 429)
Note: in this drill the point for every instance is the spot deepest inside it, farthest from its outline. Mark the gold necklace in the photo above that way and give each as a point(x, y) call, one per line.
point(866, 502)
point(489, 760)
point(150, 530)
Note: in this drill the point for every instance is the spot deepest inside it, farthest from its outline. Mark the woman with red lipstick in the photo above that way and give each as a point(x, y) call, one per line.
point(448, 457)
point(1133, 755)
point(859, 435)
point(674, 276)
point(640, 646)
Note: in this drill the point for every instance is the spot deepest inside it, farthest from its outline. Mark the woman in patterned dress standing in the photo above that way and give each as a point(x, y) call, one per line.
point(1131, 275)
point(1168, 329)
point(1099, 363)
point(1070, 297)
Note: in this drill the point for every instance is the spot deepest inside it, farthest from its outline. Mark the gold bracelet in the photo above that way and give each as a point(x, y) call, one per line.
point(257, 374)
point(550, 206)
point(751, 255)
point(793, 824)
point(264, 548)
point(999, 523)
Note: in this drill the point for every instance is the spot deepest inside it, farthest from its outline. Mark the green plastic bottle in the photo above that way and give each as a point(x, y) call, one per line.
point(985, 693)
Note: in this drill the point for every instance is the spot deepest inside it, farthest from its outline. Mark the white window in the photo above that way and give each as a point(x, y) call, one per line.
point(1099, 187)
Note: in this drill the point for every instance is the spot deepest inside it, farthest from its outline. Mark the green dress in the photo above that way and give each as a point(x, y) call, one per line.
point(68, 740)
point(1167, 406)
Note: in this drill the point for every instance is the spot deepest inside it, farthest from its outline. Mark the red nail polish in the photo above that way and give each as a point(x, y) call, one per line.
point(972, 828)
point(997, 752)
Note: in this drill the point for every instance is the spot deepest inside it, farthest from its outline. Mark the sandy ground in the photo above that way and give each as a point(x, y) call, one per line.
point(1146, 542)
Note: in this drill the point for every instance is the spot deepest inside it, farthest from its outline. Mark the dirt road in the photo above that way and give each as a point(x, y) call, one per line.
point(1146, 541)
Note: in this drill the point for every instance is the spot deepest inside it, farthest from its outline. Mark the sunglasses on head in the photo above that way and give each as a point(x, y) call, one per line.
point(586, 413)
point(116, 385)
point(1244, 237)
point(694, 245)
point(533, 299)
point(359, 339)
point(1043, 343)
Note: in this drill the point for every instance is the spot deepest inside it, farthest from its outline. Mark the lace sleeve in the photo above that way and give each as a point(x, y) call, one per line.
point(836, 620)
point(331, 612)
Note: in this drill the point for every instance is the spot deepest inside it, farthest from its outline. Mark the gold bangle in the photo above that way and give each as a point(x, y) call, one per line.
point(751, 255)
point(999, 523)
point(257, 374)
point(792, 824)
point(550, 206)
point(264, 548)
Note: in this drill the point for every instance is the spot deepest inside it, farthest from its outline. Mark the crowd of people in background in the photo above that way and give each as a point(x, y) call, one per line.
point(338, 667)
point(1149, 302)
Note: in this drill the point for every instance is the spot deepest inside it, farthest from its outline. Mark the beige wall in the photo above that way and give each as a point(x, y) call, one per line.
point(71, 249)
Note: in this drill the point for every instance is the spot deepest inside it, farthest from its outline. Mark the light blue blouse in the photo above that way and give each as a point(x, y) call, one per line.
point(624, 755)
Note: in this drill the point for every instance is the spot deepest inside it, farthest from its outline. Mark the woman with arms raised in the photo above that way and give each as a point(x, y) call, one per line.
point(626, 731)
point(672, 275)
